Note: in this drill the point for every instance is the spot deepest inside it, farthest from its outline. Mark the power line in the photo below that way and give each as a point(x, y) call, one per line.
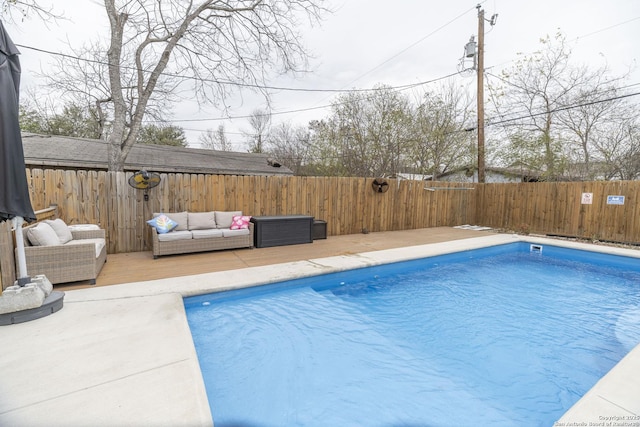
point(386, 61)
point(568, 107)
point(575, 40)
point(266, 87)
point(406, 49)
point(524, 113)
point(277, 113)
point(224, 82)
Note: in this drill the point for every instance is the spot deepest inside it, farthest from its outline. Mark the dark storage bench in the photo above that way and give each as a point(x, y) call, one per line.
point(282, 230)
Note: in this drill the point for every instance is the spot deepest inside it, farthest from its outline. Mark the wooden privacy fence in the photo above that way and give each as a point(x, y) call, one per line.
point(558, 209)
point(348, 205)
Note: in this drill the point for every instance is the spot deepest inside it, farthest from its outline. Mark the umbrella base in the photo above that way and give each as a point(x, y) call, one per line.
point(51, 304)
point(22, 281)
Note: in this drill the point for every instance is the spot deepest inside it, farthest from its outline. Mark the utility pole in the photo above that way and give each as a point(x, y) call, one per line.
point(476, 51)
point(480, 96)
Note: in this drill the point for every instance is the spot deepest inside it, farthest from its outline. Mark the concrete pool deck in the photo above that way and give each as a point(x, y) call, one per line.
point(123, 354)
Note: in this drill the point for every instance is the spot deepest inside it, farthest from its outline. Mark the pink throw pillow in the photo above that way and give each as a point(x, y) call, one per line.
point(239, 222)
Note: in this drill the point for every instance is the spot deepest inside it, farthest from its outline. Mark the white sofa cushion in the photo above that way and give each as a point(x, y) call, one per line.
point(175, 235)
point(202, 220)
point(223, 219)
point(61, 229)
point(43, 234)
point(204, 234)
point(240, 232)
point(98, 242)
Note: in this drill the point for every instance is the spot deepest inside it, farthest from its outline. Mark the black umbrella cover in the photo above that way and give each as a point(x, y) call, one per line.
point(14, 189)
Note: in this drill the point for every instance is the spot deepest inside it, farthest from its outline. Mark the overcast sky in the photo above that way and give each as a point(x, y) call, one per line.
point(369, 42)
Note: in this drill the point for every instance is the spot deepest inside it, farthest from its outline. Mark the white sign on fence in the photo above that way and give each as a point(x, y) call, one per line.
point(615, 200)
point(587, 198)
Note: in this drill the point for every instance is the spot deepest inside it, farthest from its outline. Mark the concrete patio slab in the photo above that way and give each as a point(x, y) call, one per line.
point(124, 361)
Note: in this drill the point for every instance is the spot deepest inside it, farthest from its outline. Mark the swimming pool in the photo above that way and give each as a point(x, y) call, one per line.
point(434, 349)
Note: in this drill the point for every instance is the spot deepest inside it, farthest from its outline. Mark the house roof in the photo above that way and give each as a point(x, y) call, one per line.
point(81, 153)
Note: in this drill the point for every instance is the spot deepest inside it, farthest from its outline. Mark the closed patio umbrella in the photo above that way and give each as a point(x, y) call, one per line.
point(14, 191)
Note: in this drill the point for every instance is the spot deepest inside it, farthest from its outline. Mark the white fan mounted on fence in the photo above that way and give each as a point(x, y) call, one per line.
point(143, 180)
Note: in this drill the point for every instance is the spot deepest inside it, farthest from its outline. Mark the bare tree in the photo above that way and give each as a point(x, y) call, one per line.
point(439, 141)
point(290, 146)
point(618, 145)
point(259, 120)
point(536, 88)
point(213, 45)
point(83, 78)
point(366, 134)
point(18, 10)
point(215, 140)
point(558, 112)
point(80, 77)
point(210, 41)
point(595, 107)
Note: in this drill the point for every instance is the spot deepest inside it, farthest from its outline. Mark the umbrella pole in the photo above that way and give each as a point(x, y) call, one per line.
point(23, 278)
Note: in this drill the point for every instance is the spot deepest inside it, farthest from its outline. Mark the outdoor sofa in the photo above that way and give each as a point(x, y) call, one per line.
point(64, 253)
point(200, 232)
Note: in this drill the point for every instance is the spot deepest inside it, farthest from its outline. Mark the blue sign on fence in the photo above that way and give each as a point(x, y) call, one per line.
point(615, 200)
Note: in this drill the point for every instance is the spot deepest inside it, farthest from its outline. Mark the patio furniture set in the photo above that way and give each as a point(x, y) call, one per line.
point(70, 253)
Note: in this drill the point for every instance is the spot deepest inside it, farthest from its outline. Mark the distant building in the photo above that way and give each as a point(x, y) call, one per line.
point(62, 152)
point(491, 175)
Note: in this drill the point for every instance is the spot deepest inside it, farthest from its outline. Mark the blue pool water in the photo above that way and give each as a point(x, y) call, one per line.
point(498, 336)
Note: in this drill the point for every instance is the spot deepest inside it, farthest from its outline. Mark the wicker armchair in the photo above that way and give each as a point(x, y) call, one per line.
point(69, 262)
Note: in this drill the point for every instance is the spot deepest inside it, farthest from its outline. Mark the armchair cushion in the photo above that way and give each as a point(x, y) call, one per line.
point(43, 235)
point(61, 229)
point(99, 244)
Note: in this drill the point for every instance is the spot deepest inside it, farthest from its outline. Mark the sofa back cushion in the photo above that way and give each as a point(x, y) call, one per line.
point(43, 235)
point(180, 217)
point(202, 220)
point(224, 219)
point(61, 229)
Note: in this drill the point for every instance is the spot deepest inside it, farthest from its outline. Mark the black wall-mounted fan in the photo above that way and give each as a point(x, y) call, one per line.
point(143, 180)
